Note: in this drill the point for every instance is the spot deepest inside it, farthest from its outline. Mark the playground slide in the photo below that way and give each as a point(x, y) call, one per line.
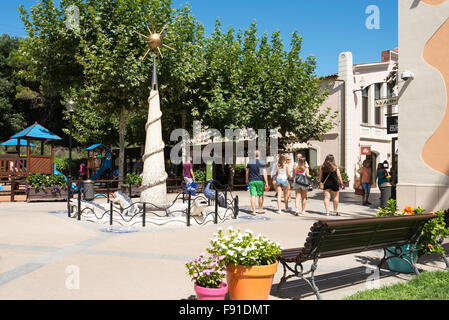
point(56, 172)
point(106, 166)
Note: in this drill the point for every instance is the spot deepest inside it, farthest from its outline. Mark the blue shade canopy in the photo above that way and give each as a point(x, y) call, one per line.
point(36, 131)
point(95, 146)
point(15, 142)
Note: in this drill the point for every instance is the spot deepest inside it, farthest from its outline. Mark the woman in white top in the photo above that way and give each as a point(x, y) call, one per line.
point(282, 181)
point(300, 190)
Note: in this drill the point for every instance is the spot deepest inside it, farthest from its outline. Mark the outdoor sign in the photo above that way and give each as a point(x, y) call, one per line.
point(387, 102)
point(392, 125)
point(365, 151)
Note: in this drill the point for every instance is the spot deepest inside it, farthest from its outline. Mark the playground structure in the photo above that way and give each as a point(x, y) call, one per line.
point(99, 161)
point(14, 165)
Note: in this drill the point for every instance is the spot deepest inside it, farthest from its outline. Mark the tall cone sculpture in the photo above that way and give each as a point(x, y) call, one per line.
point(154, 189)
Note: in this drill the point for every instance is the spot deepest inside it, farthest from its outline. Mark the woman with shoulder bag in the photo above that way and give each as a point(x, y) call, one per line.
point(282, 182)
point(330, 183)
point(301, 185)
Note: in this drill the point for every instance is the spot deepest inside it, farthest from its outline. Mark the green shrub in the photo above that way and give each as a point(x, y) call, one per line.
point(133, 179)
point(200, 176)
point(432, 233)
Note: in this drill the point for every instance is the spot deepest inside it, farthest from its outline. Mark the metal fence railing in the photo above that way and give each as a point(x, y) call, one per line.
point(139, 212)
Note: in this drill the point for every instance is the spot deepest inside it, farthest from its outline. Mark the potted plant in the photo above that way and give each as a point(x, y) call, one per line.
point(134, 181)
point(208, 273)
point(315, 174)
point(429, 241)
point(200, 179)
point(345, 178)
point(251, 262)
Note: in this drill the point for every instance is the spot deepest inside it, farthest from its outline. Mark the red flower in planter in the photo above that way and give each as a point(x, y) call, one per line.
point(408, 210)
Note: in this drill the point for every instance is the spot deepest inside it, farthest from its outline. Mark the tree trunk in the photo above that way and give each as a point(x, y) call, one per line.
point(122, 133)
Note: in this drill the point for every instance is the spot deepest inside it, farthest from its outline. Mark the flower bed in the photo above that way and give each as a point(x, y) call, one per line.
point(46, 187)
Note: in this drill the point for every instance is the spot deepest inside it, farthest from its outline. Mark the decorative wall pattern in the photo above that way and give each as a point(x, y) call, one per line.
point(436, 53)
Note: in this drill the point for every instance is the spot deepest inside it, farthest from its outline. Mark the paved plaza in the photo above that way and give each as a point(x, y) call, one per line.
point(42, 251)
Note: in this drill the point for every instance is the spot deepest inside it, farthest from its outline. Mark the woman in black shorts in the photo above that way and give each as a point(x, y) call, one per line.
point(331, 178)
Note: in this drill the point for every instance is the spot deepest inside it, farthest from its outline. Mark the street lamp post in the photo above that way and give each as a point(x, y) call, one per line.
point(71, 109)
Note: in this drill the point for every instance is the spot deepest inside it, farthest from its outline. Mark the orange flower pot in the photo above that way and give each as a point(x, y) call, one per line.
point(250, 283)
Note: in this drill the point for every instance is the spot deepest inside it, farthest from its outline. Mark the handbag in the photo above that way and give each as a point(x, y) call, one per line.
point(302, 180)
point(322, 183)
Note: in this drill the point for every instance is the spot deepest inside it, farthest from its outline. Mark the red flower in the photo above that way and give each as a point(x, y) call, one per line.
point(430, 246)
point(408, 210)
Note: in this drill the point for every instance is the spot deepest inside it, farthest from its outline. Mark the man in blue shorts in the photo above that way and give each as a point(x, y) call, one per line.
point(256, 178)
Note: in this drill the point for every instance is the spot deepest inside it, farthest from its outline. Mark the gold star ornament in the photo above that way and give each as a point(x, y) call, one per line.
point(155, 41)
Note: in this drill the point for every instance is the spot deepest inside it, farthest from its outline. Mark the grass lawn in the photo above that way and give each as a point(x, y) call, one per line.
point(428, 286)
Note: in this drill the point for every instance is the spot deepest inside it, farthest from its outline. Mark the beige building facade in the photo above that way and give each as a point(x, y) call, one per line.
point(423, 104)
point(352, 93)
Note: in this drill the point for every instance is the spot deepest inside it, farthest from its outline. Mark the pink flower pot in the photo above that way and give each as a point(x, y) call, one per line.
point(211, 294)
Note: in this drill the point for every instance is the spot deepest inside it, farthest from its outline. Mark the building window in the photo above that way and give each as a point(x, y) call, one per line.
point(378, 116)
point(365, 105)
point(390, 91)
point(377, 110)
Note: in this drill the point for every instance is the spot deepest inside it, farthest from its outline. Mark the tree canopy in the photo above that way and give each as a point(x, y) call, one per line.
point(229, 79)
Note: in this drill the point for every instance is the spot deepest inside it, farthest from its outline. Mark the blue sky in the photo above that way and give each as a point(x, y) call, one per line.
point(327, 26)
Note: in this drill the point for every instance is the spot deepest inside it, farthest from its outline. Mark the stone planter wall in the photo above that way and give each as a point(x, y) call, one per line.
point(41, 194)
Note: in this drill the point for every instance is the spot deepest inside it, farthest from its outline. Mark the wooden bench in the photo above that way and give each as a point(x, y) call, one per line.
point(330, 238)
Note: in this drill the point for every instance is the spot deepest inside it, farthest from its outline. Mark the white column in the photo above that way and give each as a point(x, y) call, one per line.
point(351, 139)
point(371, 111)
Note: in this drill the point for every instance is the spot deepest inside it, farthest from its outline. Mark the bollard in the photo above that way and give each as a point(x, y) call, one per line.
point(79, 202)
point(144, 214)
point(111, 212)
point(216, 206)
point(189, 208)
point(107, 189)
point(236, 207)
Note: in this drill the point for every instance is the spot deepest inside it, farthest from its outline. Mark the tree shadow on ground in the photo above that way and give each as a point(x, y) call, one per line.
point(296, 289)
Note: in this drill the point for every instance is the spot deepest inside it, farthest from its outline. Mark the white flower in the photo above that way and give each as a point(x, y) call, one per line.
point(248, 231)
point(231, 252)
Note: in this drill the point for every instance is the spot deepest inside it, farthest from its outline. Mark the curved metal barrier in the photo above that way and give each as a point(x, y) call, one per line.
point(140, 211)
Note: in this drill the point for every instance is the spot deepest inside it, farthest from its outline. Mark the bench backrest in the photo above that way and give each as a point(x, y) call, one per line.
point(330, 238)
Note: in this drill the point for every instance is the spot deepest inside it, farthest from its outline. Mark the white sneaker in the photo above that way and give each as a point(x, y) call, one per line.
point(279, 212)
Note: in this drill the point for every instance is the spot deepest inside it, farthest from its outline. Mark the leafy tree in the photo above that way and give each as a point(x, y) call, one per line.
point(12, 119)
point(108, 77)
point(251, 80)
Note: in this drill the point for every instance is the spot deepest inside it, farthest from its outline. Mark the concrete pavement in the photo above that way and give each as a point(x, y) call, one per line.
point(46, 255)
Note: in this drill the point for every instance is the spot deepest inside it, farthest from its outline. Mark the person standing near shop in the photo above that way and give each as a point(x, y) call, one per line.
point(256, 178)
point(366, 180)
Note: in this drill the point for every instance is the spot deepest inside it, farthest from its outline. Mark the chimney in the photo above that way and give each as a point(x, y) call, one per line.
point(386, 55)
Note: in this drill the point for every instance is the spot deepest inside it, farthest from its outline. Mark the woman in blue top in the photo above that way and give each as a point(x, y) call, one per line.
point(381, 175)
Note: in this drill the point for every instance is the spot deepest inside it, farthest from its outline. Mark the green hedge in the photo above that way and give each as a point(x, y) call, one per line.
point(62, 165)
